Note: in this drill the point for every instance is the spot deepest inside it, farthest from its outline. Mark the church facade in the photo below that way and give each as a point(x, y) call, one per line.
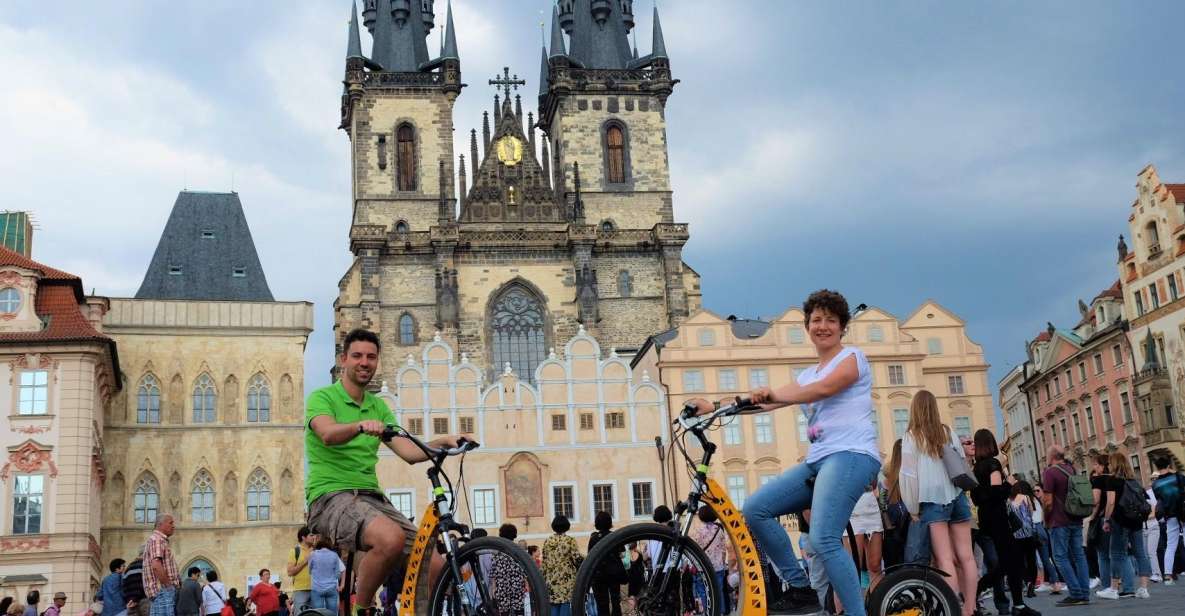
point(546, 223)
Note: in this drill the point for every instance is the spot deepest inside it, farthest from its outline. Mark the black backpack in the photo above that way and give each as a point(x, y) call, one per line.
point(611, 571)
point(1132, 508)
point(132, 583)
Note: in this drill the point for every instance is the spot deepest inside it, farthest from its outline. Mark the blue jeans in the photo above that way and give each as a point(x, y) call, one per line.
point(1070, 558)
point(1108, 562)
point(1121, 538)
point(324, 600)
point(164, 603)
point(838, 482)
point(1051, 576)
point(917, 543)
point(561, 609)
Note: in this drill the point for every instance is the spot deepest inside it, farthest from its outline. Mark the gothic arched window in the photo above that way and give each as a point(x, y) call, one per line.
point(405, 157)
point(625, 285)
point(518, 331)
point(148, 400)
point(201, 492)
point(259, 399)
point(146, 499)
point(614, 154)
point(259, 496)
point(407, 330)
point(401, 227)
point(205, 399)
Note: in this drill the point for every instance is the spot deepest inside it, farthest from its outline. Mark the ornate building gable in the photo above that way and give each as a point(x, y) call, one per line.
point(29, 457)
point(580, 398)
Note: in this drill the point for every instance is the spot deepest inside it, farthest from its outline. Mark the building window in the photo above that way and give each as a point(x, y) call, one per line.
point(1170, 418)
point(758, 377)
point(1136, 467)
point(559, 422)
point(736, 490)
point(607, 226)
point(586, 421)
point(485, 507)
point(415, 426)
point(466, 425)
point(876, 334)
point(402, 227)
point(259, 496)
point(517, 331)
point(727, 378)
point(693, 381)
point(145, 500)
point(1048, 395)
point(615, 421)
point(641, 499)
point(1089, 421)
point(625, 286)
point(763, 425)
point(175, 270)
point(1139, 296)
point(732, 431)
point(934, 346)
point(201, 498)
point(1097, 359)
point(239, 272)
point(900, 422)
point(563, 501)
point(405, 152)
point(205, 399)
point(795, 334)
point(707, 337)
point(407, 330)
point(602, 499)
point(1172, 287)
point(10, 301)
point(208, 234)
point(1065, 430)
point(955, 384)
point(440, 425)
point(1069, 381)
point(615, 154)
point(802, 427)
point(1077, 427)
point(1053, 433)
point(404, 501)
point(1057, 386)
point(34, 395)
point(876, 426)
point(148, 401)
point(1106, 406)
point(896, 374)
point(1154, 295)
point(259, 400)
point(765, 478)
point(28, 494)
point(963, 426)
point(1081, 372)
point(1117, 355)
point(1126, 406)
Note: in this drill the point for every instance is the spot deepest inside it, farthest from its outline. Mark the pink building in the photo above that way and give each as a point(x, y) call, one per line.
point(1080, 390)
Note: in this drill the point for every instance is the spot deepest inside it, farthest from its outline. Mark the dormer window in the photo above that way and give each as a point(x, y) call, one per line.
point(1101, 316)
point(174, 270)
point(239, 272)
point(208, 234)
point(10, 301)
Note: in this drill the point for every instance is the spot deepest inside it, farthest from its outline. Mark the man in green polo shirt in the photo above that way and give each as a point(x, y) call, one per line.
point(343, 423)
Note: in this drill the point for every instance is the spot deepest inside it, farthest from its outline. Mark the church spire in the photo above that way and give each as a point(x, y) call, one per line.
point(354, 45)
point(557, 35)
point(659, 48)
point(598, 33)
point(544, 73)
point(485, 135)
point(400, 35)
point(473, 153)
point(450, 37)
point(380, 53)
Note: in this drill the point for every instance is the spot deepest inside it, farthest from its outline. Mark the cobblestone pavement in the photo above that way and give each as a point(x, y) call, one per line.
point(1165, 600)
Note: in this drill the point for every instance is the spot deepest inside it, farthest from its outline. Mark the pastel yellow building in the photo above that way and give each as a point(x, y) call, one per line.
point(713, 357)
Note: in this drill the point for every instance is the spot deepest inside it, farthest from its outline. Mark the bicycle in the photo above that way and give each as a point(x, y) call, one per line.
point(464, 586)
point(904, 590)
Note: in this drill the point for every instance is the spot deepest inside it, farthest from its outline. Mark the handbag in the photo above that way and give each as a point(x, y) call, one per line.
point(957, 468)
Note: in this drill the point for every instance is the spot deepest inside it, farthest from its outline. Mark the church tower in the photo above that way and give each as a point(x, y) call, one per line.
point(557, 226)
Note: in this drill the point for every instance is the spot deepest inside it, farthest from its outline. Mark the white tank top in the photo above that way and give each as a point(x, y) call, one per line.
point(842, 422)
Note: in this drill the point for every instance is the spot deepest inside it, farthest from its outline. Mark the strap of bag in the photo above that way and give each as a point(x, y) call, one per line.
point(217, 593)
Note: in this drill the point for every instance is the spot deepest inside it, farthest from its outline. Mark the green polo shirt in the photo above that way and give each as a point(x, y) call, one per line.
point(349, 466)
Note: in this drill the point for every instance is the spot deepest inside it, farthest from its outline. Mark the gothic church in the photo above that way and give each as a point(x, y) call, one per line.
point(550, 222)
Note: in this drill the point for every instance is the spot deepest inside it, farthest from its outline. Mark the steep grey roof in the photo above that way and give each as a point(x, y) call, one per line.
point(400, 48)
point(557, 35)
point(659, 47)
point(354, 45)
point(596, 46)
point(204, 242)
point(450, 37)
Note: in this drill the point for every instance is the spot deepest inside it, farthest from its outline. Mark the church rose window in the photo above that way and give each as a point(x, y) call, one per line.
point(201, 493)
point(615, 146)
point(259, 496)
point(259, 400)
point(517, 328)
point(406, 153)
point(205, 400)
point(148, 401)
point(146, 500)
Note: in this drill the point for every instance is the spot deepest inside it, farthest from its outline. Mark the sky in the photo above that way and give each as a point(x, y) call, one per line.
point(982, 154)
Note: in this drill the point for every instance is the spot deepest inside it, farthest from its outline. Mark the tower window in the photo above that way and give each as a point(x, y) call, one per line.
point(625, 286)
point(615, 154)
point(407, 330)
point(406, 155)
point(207, 234)
point(239, 272)
point(401, 227)
point(174, 270)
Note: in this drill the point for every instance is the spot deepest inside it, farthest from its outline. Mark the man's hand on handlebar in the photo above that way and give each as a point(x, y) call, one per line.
point(372, 427)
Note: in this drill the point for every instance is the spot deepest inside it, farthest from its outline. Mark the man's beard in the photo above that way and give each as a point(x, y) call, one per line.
point(359, 379)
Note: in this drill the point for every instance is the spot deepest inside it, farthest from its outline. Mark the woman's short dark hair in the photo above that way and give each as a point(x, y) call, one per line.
point(1103, 460)
point(211, 576)
point(603, 521)
point(360, 335)
point(478, 533)
point(662, 514)
point(706, 515)
point(560, 524)
point(985, 444)
point(830, 301)
point(508, 531)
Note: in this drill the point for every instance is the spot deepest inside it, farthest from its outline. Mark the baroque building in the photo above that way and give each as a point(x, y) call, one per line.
point(58, 373)
point(1019, 445)
point(711, 357)
point(1152, 274)
point(545, 224)
point(209, 425)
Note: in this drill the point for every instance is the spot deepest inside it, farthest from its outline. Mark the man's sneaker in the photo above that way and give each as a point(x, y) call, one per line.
point(1126, 594)
point(796, 601)
point(1155, 577)
point(1107, 593)
point(1142, 593)
point(1043, 587)
point(1094, 583)
point(1072, 602)
point(1025, 610)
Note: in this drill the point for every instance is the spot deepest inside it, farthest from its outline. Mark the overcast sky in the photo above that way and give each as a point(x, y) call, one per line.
point(983, 154)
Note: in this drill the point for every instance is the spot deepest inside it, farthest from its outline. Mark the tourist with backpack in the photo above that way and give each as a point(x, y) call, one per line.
point(1098, 536)
point(1127, 508)
point(133, 587)
point(1169, 488)
point(298, 568)
point(1069, 499)
point(607, 580)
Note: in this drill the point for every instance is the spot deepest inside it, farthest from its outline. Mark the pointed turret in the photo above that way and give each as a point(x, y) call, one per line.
point(354, 45)
point(546, 160)
point(485, 134)
point(557, 36)
point(450, 37)
point(599, 37)
point(659, 47)
point(464, 184)
point(497, 110)
point(383, 30)
point(473, 153)
point(531, 132)
point(400, 36)
point(544, 73)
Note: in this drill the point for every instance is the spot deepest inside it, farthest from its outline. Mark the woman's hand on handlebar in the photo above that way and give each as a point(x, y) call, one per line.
point(449, 441)
point(761, 395)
